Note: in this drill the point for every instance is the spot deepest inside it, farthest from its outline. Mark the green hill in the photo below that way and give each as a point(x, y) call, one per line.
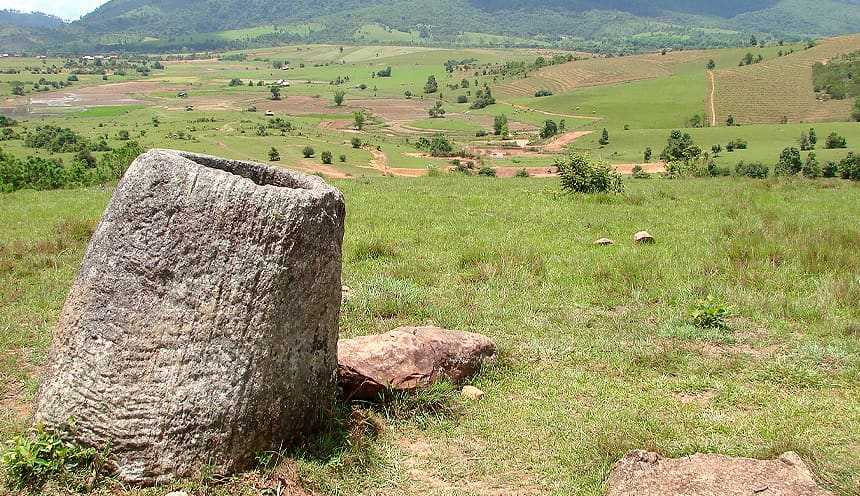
point(611, 26)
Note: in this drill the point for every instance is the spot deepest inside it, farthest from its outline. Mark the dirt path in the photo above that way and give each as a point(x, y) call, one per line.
point(712, 113)
point(523, 107)
point(559, 144)
point(380, 163)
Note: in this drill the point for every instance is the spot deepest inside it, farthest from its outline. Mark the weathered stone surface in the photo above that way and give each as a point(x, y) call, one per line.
point(643, 473)
point(202, 326)
point(409, 357)
point(471, 393)
point(604, 242)
point(643, 237)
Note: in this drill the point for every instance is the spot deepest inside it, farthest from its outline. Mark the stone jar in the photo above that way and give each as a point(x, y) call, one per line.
point(202, 327)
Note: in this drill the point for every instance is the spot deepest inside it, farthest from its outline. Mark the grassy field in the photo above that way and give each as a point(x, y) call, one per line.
point(598, 355)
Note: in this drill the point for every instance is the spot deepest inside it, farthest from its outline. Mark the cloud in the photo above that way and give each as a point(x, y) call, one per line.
point(60, 8)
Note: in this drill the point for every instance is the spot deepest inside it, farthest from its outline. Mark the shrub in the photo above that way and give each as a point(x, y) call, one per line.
point(540, 93)
point(849, 167)
point(462, 99)
point(710, 312)
point(835, 141)
point(639, 172)
point(789, 162)
point(582, 174)
point(736, 144)
point(40, 455)
point(326, 157)
point(522, 173)
point(308, 152)
point(487, 172)
point(342, 158)
point(274, 155)
point(811, 168)
point(830, 169)
point(755, 170)
point(356, 142)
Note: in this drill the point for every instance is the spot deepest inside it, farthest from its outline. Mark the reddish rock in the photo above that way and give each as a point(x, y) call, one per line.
point(643, 473)
point(643, 237)
point(408, 358)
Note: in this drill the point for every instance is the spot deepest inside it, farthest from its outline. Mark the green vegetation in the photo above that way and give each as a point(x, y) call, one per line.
point(598, 352)
point(582, 174)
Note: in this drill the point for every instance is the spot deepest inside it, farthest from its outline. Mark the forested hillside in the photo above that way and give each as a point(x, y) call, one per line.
point(611, 26)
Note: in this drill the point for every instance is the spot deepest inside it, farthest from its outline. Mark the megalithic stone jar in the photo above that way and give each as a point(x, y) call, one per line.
point(202, 327)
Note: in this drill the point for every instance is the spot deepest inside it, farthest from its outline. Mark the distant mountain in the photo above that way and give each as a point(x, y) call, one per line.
point(615, 26)
point(34, 20)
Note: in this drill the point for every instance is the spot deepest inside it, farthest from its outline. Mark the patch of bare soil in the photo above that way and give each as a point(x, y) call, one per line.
point(337, 125)
point(112, 94)
point(304, 105)
point(392, 109)
point(650, 167)
point(537, 172)
point(380, 163)
point(558, 144)
point(700, 397)
point(452, 466)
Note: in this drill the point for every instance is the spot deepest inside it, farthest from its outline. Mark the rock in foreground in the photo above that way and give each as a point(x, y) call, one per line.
point(202, 327)
point(408, 358)
point(643, 473)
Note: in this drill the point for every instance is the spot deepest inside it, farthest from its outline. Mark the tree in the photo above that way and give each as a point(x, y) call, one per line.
point(549, 129)
point(855, 112)
point(711, 65)
point(384, 72)
point(680, 148)
point(276, 92)
point(810, 168)
point(789, 162)
point(436, 111)
point(236, 82)
point(803, 142)
point(813, 138)
point(431, 86)
point(338, 97)
point(753, 41)
point(604, 138)
point(18, 90)
point(274, 156)
point(308, 152)
point(835, 141)
point(498, 122)
point(358, 120)
point(716, 149)
point(647, 155)
point(355, 142)
point(440, 146)
point(326, 157)
point(730, 120)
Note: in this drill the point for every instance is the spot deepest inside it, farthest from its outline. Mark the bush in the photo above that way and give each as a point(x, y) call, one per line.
point(342, 158)
point(582, 174)
point(756, 170)
point(639, 172)
point(849, 167)
point(710, 312)
point(835, 141)
point(356, 142)
point(39, 456)
point(789, 162)
point(811, 168)
point(308, 152)
point(540, 93)
point(830, 169)
point(522, 173)
point(462, 99)
point(274, 155)
point(736, 144)
point(326, 157)
point(487, 172)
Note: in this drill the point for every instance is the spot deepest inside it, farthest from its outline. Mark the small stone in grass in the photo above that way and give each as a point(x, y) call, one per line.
point(643, 237)
point(471, 393)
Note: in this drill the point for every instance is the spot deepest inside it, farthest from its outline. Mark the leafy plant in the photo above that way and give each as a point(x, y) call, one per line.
point(40, 455)
point(582, 174)
point(308, 152)
point(710, 312)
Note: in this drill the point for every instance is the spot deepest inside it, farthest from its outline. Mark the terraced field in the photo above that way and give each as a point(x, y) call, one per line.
point(763, 93)
point(593, 72)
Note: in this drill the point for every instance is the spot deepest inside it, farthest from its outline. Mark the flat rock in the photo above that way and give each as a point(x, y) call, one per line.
point(471, 393)
point(643, 237)
point(644, 473)
point(604, 242)
point(408, 358)
point(202, 327)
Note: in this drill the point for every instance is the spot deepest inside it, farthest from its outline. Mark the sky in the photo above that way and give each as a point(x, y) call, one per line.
point(70, 10)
